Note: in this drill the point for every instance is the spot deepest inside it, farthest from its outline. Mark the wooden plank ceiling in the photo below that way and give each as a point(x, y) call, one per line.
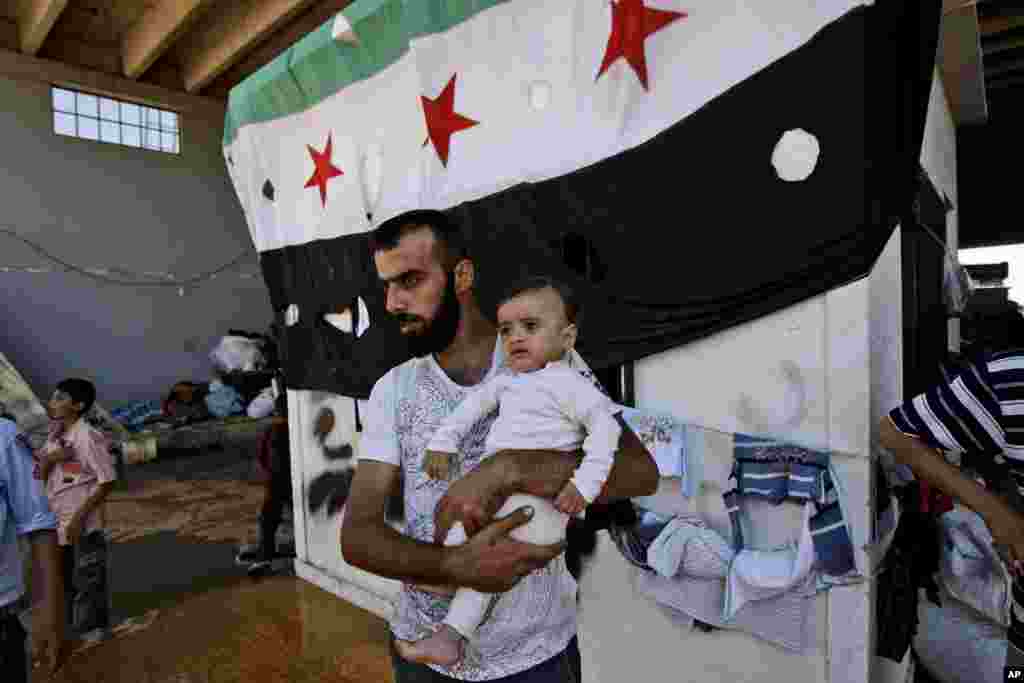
point(162, 51)
point(1002, 43)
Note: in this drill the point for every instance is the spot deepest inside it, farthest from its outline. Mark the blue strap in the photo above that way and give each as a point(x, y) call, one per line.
point(732, 506)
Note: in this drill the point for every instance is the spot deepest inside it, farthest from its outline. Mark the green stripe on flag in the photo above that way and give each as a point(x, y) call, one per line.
point(317, 66)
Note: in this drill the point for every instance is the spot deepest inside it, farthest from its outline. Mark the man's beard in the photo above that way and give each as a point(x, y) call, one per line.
point(438, 334)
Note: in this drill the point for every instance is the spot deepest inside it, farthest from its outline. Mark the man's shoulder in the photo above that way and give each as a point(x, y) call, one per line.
point(397, 375)
point(1010, 359)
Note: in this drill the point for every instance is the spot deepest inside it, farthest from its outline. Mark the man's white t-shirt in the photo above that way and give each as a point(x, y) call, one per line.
point(529, 624)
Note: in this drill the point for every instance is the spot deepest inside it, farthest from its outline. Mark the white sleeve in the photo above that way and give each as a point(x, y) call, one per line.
point(379, 440)
point(474, 406)
point(596, 412)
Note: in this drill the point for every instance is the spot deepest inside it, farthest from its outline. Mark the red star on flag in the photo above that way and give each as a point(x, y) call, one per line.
point(324, 170)
point(632, 22)
point(442, 121)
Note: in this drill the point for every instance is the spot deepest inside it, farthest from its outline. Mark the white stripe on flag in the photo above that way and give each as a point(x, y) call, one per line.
point(527, 73)
point(1012, 407)
point(773, 475)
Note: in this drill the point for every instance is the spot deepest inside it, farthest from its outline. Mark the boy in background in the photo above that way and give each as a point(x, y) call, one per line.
point(78, 473)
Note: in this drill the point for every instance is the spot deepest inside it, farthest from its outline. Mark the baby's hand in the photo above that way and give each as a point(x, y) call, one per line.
point(569, 500)
point(438, 464)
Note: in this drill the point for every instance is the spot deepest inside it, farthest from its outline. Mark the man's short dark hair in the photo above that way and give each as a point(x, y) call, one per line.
point(80, 390)
point(535, 283)
point(451, 242)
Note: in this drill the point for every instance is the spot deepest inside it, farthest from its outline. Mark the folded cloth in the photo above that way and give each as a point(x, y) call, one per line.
point(757, 575)
point(788, 620)
point(778, 470)
point(135, 415)
point(686, 545)
point(970, 568)
point(633, 540)
point(223, 401)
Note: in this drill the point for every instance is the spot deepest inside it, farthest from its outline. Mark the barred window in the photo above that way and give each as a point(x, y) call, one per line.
point(93, 117)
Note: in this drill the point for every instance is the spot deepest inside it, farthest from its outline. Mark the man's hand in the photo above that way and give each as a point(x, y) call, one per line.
point(491, 562)
point(473, 500)
point(74, 529)
point(570, 500)
point(438, 465)
point(1007, 528)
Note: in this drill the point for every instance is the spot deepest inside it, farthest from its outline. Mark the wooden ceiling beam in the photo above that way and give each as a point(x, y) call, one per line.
point(35, 19)
point(159, 26)
point(990, 26)
point(230, 35)
point(269, 50)
point(25, 68)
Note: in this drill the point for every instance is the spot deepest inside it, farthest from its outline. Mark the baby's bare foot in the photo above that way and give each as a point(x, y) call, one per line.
point(444, 647)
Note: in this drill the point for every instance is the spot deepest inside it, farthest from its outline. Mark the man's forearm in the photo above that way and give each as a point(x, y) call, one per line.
point(544, 473)
point(377, 548)
point(930, 466)
point(95, 500)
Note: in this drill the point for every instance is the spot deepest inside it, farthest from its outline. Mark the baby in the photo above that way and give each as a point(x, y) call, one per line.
point(544, 404)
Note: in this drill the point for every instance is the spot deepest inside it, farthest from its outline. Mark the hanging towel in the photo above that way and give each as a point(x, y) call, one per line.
point(761, 574)
point(677, 448)
point(687, 545)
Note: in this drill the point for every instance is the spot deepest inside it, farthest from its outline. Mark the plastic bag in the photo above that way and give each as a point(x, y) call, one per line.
point(237, 353)
point(970, 569)
point(957, 645)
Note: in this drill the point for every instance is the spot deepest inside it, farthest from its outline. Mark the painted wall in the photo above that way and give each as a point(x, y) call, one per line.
point(105, 206)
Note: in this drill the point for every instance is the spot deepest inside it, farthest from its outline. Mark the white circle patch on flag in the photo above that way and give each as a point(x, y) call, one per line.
point(796, 155)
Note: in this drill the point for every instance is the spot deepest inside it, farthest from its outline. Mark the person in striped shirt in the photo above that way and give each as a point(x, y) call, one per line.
point(979, 412)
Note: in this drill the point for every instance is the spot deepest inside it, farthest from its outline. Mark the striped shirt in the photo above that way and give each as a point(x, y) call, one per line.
point(979, 410)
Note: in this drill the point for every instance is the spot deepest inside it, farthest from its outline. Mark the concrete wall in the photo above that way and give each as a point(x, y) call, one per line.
point(938, 157)
point(106, 206)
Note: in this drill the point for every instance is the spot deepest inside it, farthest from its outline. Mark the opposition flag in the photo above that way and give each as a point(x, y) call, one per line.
point(688, 165)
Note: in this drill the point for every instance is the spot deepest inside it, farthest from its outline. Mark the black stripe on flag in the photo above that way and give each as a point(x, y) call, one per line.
point(689, 233)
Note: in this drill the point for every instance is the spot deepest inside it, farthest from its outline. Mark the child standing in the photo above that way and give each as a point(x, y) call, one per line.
point(543, 404)
point(77, 469)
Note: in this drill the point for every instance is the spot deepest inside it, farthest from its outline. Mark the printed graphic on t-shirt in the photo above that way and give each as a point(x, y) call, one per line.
point(71, 471)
